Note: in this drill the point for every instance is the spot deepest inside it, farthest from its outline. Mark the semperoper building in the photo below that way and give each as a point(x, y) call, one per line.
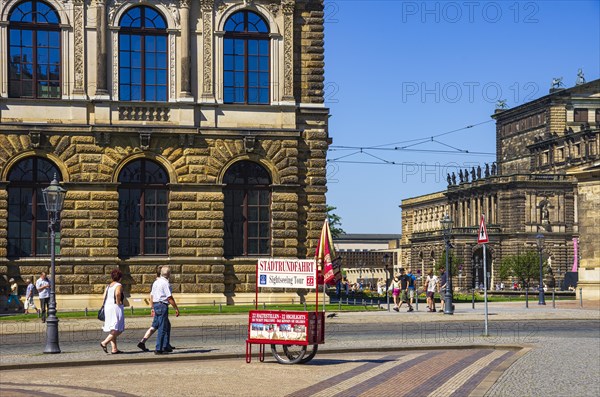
point(187, 133)
point(546, 180)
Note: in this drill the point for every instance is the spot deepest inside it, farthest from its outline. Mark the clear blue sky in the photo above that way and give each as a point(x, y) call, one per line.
point(399, 71)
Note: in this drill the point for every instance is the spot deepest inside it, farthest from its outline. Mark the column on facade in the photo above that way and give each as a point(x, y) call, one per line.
point(101, 86)
point(207, 7)
point(79, 49)
point(185, 82)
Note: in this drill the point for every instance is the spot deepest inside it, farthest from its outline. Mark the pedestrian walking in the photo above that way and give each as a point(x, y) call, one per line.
point(14, 294)
point(395, 287)
point(114, 318)
point(404, 282)
point(43, 286)
point(161, 298)
point(431, 285)
point(29, 303)
point(411, 289)
point(152, 330)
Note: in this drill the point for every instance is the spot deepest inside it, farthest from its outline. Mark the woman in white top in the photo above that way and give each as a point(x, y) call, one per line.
point(114, 320)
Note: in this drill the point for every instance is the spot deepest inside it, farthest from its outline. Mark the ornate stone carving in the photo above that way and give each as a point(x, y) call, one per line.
point(78, 34)
point(102, 138)
point(207, 34)
point(35, 138)
point(174, 9)
point(115, 65)
point(288, 48)
point(249, 143)
point(221, 5)
point(144, 113)
point(274, 8)
point(116, 4)
point(172, 66)
point(186, 140)
point(145, 140)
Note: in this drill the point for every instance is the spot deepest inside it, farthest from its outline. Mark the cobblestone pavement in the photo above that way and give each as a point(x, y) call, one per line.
point(415, 373)
point(554, 367)
point(561, 359)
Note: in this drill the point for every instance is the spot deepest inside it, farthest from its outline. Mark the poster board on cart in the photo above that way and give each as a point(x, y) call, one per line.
point(286, 273)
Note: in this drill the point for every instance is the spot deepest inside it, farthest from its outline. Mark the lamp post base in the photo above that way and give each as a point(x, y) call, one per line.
point(52, 346)
point(448, 305)
point(541, 298)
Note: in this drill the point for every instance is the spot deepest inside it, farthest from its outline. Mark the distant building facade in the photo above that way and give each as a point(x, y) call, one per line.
point(363, 255)
point(546, 180)
point(191, 134)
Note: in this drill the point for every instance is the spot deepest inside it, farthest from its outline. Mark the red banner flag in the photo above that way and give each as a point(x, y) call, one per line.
point(327, 263)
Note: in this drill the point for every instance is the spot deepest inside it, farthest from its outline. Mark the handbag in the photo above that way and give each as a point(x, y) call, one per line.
point(101, 316)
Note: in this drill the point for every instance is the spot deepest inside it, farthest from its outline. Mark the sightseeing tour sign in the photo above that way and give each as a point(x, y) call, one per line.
point(286, 273)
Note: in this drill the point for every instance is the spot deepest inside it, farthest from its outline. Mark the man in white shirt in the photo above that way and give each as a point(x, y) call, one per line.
point(43, 287)
point(431, 286)
point(161, 298)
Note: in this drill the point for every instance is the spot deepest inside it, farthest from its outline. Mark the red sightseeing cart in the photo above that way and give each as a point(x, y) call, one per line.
point(294, 336)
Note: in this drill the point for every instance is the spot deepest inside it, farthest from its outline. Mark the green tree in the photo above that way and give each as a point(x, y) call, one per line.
point(452, 261)
point(522, 266)
point(335, 222)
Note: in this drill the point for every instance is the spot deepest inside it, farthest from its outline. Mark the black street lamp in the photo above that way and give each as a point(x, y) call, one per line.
point(54, 197)
point(446, 223)
point(386, 266)
point(540, 245)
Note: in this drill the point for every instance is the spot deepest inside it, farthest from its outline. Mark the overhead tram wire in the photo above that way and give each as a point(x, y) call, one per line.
point(419, 140)
point(385, 162)
point(429, 138)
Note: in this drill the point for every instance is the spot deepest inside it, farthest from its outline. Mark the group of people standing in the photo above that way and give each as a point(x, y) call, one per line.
point(403, 289)
point(160, 297)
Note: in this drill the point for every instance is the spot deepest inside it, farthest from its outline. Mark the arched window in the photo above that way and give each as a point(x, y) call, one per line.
point(247, 210)
point(246, 59)
point(34, 51)
point(27, 217)
point(143, 212)
point(142, 55)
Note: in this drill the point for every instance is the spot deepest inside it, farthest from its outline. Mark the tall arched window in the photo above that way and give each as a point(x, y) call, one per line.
point(34, 51)
point(247, 210)
point(142, 55)
point(27, 217)
point(246, 59)
point(143, 212)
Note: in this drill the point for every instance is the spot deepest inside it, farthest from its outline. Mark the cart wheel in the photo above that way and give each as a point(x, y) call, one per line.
point(309, 354)
point(289, 354)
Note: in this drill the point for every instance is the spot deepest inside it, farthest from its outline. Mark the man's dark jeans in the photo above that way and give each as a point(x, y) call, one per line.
point(44, 307)
point(162, 324)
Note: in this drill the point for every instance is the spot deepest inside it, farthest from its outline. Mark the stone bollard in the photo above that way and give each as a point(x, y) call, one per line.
point(553, 301)
point(220, 308)
point(132, 310)
point(86, 312)
point(340, 304)
point(580, 297)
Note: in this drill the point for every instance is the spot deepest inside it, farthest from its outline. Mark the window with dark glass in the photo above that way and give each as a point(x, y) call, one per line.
point(27, 216)
point(247, 210)
point(580, 115)
point(33, 51)
point(143, 212)
point(142, 55)
point(246, 59)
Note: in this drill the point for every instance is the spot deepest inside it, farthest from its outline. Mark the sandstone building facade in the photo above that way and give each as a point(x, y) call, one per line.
point(546, 180)
point(191, 133)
